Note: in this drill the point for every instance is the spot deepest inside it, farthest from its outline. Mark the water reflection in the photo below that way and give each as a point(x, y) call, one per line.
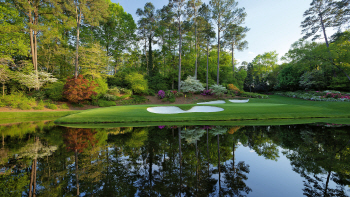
point(41, 159)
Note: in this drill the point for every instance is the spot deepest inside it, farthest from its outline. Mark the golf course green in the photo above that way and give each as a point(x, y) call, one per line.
point(277, 107)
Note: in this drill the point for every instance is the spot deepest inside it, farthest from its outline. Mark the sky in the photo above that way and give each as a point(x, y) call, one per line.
point(274, 24)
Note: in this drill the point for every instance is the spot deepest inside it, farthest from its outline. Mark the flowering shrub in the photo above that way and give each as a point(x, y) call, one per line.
point(79, 89)
point(161, 94)
point(232, 87)
point(218, 90)
point(191, 84)
point(333, 96)
point(35, 79)
point(207, 92)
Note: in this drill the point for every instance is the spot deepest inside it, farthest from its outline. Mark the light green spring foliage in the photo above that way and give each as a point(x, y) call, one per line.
point(102, 87)
point(13, 39)
point(218, 90)
point(137, 83)
point(191, 84)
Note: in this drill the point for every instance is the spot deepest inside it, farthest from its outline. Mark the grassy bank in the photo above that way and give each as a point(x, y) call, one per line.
point(340, 121)
point(7, 117)
point(277, 107)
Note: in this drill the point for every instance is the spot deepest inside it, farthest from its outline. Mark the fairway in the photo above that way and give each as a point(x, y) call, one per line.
point(277, 107)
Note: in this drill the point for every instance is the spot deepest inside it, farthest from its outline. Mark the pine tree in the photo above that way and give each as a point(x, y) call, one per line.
point(148, 26)
point(225, 13)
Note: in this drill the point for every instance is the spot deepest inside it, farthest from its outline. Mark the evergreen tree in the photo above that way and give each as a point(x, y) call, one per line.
point(148, 25)
point(225, 13)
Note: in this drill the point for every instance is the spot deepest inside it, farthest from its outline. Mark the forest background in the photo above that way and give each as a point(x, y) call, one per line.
point(46, 44)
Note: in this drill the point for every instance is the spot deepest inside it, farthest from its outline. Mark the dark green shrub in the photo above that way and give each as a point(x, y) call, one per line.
point(104, 103)
point(24, 106)
point(55, 91)
point(39, 95)
point(165, 99)
point(117, 80)
point(138, 99)
point(158, 82)
point(172, 100)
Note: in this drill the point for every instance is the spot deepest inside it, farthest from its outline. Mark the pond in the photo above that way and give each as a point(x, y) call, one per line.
point(43, 159)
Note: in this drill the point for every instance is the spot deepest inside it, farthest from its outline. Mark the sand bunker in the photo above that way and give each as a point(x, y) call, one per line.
point(239, 101)
point(213, 102)
point(177, 110)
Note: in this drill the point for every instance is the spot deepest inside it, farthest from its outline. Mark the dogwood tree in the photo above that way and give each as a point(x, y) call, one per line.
point(35, 79)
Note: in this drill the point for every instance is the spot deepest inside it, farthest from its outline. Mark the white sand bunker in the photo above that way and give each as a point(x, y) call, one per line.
point(213, 102)
point(177, 110)
point(239, 101)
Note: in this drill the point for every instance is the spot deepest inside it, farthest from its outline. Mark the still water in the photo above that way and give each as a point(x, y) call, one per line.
point(42, 159)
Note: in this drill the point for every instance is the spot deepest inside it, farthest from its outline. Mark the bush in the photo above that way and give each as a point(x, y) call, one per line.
point(191, 85)
point(24, 106)
point(218, 90)
point(165, 99)
point(39, 95)
point(172, 100)
point(104, 103)
point(138, 99)
point(101, 88)
point(64, 106)
point(232, 87)
point(114, 91)
point(80, 89)
point(39, 107)
point(137, 83)
point(157, 82)
point(207, 92)
point(169, 94)
point(161, 94)
point(51, 106)
point(109, 97)
point(55, 91)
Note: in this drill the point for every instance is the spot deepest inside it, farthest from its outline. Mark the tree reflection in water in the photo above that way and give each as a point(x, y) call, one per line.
point(49, 160)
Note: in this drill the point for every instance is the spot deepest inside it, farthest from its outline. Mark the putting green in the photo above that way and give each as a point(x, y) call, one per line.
point(277, 107)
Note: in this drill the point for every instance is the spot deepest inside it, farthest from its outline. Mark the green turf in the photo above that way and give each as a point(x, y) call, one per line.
point(277, 107)
point(7, 117)
point(211, 123)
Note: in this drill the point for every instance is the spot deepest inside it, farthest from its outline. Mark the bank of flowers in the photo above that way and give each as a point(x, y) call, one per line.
point(328, 95)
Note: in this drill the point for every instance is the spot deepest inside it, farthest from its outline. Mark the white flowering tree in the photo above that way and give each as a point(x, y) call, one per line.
point(191, 84)
point(35, 79)
point(218, 90)
point(4, 77)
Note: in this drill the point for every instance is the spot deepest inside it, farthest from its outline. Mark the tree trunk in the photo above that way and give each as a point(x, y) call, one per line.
point(217, 78)
point(219, 165)
point(207, 63)
point(150, 58)
point(180, 43)
point(233, 59)
point(195, 48)
point(3, 90)
point(180, 157)
point(78, 18)
point(76, 170)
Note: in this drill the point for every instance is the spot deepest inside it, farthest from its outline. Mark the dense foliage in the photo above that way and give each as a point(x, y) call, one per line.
point(104, 44)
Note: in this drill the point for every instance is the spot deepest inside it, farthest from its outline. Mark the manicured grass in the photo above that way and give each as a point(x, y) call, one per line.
point(213, 123)
point(6, 117)
point(277, 107)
